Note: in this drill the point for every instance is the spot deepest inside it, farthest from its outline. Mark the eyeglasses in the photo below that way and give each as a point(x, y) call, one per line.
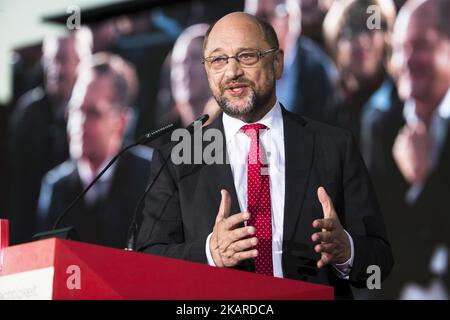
point(245, 58)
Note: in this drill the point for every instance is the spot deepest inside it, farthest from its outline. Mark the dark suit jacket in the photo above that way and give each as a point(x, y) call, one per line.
point(106, 222)
point(37, 143)
point(181, 209)
point(316, 85)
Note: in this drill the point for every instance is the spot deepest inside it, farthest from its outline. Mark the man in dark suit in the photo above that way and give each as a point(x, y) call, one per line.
point(37, 139)
point(98, 117)
point(409, 154)
point(293, 200)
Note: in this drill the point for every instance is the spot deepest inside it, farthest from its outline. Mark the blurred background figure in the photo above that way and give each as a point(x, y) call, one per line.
point(410, 151)
point(307, 86)
point(37, 129)
point(361, 52)
point(27, 70)
point(188, 77)
point(184, 93)
point(98, 115)
point(313, 14)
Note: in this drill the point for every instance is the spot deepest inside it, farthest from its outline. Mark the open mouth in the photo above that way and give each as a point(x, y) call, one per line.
point(236, 90)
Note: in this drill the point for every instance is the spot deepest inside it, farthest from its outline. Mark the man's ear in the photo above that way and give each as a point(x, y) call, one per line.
point(279, 63)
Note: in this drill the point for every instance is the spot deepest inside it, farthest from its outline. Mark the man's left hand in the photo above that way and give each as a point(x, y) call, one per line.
point(334, 244)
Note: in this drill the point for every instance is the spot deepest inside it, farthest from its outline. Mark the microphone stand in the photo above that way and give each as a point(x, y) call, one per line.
point(144, 139)
point(133, 230)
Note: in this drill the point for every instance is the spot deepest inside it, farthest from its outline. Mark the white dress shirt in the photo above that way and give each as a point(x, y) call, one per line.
point(100, 189)
point(238, 146)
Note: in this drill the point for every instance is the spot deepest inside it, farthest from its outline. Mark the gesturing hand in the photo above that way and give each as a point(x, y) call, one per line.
point(411, 151)
point(229, 245)
point(334, 244)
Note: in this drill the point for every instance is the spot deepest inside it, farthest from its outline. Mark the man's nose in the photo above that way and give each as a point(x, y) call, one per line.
point(233, 69)
point(362, 41)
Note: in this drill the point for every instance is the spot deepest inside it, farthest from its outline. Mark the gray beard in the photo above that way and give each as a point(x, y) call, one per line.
point(253, 106)
point(234, 112)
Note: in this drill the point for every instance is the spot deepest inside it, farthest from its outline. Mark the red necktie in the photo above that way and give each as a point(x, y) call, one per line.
point(258, 199)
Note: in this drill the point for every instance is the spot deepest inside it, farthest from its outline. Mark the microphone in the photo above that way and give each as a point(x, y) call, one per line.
point(133, 229)
point(144, 139)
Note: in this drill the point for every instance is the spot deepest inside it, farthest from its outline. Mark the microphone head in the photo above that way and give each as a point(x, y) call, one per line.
point(146, 138)
point(203, 118)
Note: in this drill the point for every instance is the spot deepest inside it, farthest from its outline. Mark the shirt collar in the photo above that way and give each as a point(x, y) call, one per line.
point(442, 111)
point(272, 120)
point(86, 174)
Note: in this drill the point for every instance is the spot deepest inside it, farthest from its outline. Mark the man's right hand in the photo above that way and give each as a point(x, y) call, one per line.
point(229, 245)
point(411, 151)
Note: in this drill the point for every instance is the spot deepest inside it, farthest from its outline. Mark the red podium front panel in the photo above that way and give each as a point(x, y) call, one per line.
point(61, 269)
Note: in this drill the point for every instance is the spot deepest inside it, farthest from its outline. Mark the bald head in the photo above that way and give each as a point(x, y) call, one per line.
point(421, 52)
point(243, 62)
point(256, 26)
point(430, 13)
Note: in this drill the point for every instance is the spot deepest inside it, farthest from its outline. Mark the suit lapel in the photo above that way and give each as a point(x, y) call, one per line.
point(299, 147)
point(74, 188)
point(220, 175)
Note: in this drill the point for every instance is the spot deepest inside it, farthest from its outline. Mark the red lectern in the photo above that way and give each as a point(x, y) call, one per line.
point(62, 269)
